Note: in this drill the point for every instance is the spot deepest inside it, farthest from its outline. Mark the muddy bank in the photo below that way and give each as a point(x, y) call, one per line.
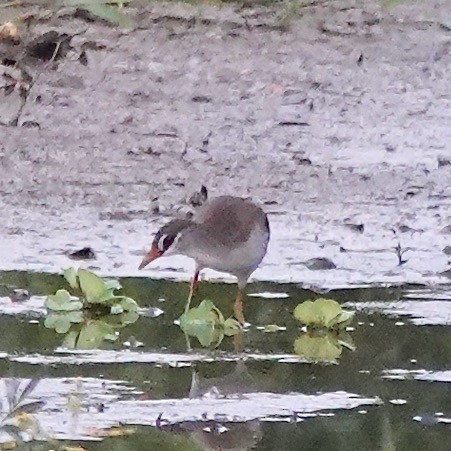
point(337, 123)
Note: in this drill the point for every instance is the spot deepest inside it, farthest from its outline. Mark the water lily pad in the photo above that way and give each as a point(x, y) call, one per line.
point(112, 285)
point(271, 328)
point(92, 286)
point(344, 318)
point(71, 276)
point(125, 303)
point(62, 301)
point(323, 313)
point(204, 322)
point(62, 321)
point(231, 327)
point(128, 318)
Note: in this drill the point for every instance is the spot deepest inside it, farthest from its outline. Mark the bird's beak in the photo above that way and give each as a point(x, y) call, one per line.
point(150, 257)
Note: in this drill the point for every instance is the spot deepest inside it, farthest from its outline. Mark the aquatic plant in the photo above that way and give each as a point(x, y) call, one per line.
point(92, 313)
point(323, 313)
point(324, 336)
point(207, 324)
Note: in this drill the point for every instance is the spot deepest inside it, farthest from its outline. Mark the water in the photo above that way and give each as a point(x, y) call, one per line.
point(392, 392)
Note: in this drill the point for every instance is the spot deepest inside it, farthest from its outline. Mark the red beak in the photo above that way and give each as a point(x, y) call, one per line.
point(150, 257)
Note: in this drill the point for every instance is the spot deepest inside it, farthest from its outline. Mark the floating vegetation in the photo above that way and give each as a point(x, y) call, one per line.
point(207, 324)
point(93, 312)
point(325, 337)
point(323, 313)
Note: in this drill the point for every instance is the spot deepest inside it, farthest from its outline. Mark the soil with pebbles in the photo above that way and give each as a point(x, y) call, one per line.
point(335, 117)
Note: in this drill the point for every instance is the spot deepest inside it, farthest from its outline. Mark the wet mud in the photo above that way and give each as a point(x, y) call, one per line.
point(335, 117)
point(337, 124)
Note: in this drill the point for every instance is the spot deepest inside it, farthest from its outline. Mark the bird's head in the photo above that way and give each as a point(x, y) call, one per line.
point(165, 240)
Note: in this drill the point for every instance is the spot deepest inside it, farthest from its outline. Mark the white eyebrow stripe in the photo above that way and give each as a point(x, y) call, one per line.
point(161, 242)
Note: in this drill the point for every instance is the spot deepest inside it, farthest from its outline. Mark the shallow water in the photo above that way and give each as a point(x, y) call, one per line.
point(392, 392)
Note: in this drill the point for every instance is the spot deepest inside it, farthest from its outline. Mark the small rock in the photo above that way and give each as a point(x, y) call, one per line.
point(360, 59)
point(19, 295)
point(444, 162)
point(30, 124)
point(446, 273)
point(360, 228)
point(447, 250)
point(301, 160)
point(321, 263)
point(49, 46)
point(201, 99)
point(446, 230)
point(115, 215)
point(403, 228)
point(83, 254)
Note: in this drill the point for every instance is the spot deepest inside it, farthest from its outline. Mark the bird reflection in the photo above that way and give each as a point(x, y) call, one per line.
point(224, 433)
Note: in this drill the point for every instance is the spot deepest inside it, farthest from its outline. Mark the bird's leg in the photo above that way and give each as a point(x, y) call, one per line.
point(192, 290)
point(238, 307)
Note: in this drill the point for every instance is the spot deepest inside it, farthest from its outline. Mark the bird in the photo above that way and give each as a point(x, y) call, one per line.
point(227, 234)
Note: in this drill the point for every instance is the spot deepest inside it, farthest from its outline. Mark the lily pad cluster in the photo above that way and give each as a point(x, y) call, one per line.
point(324, 337)
point(92, 313)
point(207, 324)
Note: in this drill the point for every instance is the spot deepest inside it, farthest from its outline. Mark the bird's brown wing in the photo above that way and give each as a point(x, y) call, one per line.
point(230, 220)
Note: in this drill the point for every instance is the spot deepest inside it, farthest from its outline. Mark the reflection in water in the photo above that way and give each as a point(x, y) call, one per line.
point(17, 421)
point(322, 345)
point(265, 397)
point(225, 432)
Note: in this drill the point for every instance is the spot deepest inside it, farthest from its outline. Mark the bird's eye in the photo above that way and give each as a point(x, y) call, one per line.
point(168, 240)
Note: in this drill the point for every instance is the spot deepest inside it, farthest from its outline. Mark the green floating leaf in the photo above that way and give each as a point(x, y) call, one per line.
point(112, 285)
point(204, 322)
point(62, 321)
point(71, 276)
point(343, 319)
point(271, 328)
point(231, 327)
point(62, 301)
point(92, 286)
point(121, 304)
point(323, 313)
point(128, 318)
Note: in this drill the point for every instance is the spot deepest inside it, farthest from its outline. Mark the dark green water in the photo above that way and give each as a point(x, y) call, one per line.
point(255, 376)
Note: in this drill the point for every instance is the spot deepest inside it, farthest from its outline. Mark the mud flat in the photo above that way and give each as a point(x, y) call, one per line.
point(335, 117)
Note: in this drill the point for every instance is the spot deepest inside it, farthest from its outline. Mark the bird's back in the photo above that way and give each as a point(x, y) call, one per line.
point(232, 220)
